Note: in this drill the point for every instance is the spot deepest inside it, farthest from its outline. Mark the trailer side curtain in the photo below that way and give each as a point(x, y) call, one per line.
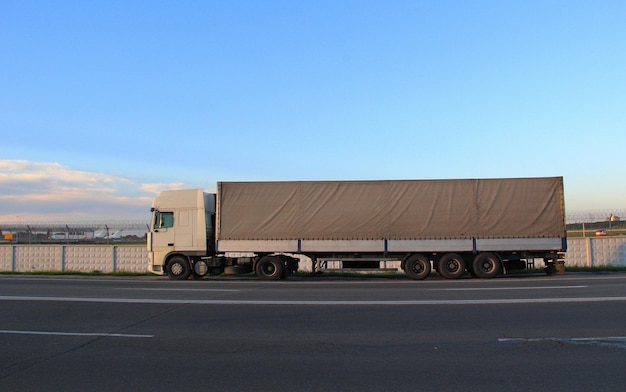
point(425, 209)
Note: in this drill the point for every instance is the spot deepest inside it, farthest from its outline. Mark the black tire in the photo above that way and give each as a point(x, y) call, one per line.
point(269, 268)
point(178, 268)
point(486, 265)
point(417, 267)
point(451, 266)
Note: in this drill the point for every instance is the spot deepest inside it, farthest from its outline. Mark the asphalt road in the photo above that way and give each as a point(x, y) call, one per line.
point(517, 333)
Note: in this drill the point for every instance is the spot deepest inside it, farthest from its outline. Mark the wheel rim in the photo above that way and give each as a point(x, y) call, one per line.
point(417, 267)
point(452, 265)
point(487, 266)
point(268, 269)
point(177, 268)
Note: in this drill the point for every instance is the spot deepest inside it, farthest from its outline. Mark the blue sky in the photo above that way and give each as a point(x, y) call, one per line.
point(104, 103)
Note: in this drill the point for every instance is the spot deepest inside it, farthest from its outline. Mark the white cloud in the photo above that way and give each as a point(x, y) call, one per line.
point(35, 191)
point(21, 170)
point(157, 187)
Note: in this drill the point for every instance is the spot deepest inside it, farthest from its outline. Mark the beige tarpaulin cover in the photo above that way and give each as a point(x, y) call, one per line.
point(412, 209)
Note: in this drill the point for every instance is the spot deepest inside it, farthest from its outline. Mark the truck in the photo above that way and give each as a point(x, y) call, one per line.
point(481, 227)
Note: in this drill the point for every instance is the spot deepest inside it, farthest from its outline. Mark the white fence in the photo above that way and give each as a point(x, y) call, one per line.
point(80, 258)
point(582, 252)
point(596, 252)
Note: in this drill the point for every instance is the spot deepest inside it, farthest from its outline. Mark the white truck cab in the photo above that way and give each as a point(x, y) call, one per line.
point(181, 225)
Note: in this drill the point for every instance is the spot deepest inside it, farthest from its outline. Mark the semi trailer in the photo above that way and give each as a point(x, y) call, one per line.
point(484, 227)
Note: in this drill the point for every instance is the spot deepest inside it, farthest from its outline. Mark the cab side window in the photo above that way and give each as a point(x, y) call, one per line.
point(163, 220)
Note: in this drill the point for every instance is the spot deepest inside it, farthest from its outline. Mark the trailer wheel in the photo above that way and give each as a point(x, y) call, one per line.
point(417, 267)
point(451, 266)
point(178, 268)
point(269, 268)
point(486, 265)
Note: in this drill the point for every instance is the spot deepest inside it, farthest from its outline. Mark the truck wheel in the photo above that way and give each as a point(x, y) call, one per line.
point(486, 265)
point(451, 266)
point(417, 267)
point(269, 268)
point(178, 268)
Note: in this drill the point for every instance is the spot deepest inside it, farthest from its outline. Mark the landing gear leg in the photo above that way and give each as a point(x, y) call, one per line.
point(316, 267)
point(550, 268)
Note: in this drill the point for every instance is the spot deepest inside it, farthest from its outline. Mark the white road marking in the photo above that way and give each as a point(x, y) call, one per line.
point(114, 335)
point(612, 341)
point(592, 339)
point(315, 302)
point(173, 289)
point(511, 288)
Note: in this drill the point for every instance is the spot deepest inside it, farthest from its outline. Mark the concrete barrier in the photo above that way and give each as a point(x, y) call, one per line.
point(596, 252)
point(79, 258)
point(582, 252)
